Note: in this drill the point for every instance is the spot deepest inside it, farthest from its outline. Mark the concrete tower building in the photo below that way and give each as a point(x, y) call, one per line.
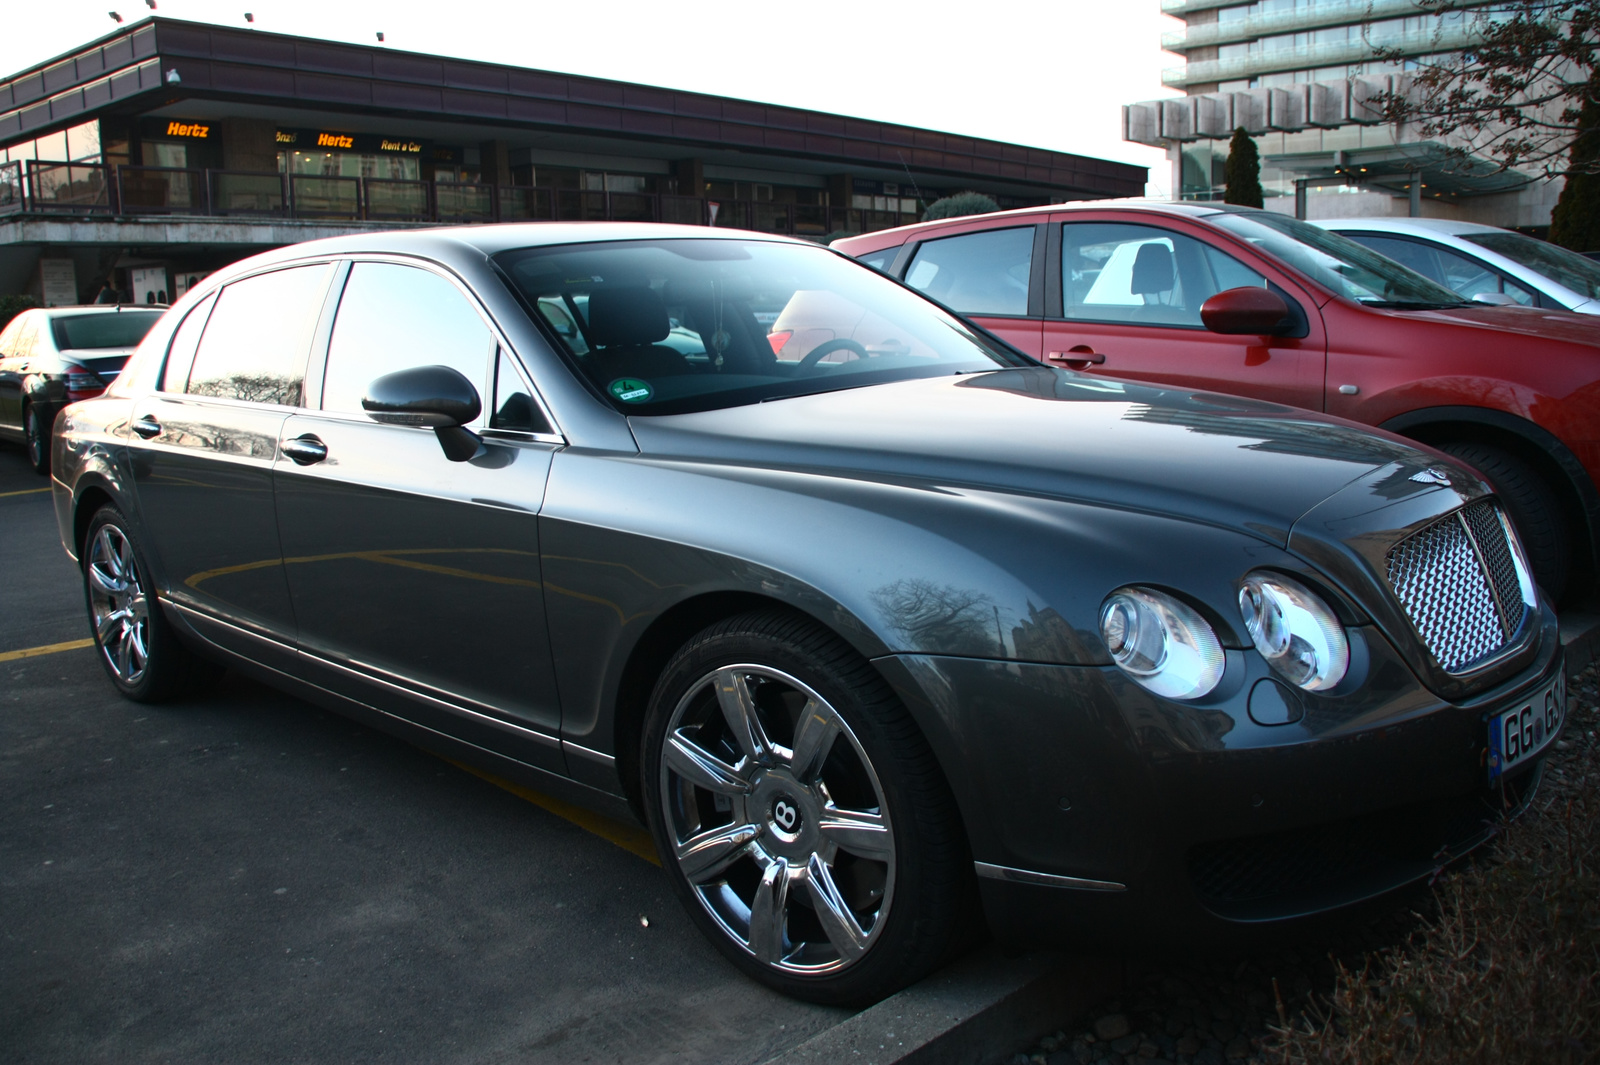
point(1305, 78)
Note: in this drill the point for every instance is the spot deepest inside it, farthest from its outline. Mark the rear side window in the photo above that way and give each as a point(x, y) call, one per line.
point(880, 260)
point(185, 342)
point(394, 317)
point(254, 345)
point(1143, 275)
point(976, 273)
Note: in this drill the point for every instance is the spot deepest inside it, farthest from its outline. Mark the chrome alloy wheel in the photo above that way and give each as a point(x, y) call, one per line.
point(33, 437)
point(118, 604)
point(777, 819)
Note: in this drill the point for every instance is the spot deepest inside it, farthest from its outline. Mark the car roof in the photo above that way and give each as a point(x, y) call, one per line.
point(93, 308)
point(879, 238)
point(1447, 226)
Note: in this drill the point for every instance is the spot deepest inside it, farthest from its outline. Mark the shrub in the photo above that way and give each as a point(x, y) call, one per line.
point(11, 306)
point(962, 203)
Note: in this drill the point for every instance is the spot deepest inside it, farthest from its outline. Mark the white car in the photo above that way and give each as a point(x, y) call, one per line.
point(1482, 263)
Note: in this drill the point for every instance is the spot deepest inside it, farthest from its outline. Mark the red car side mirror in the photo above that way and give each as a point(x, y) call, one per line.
point(1247, 311)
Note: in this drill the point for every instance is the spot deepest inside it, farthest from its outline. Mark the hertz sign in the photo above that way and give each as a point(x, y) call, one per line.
point(176, 129)
point(313, 139)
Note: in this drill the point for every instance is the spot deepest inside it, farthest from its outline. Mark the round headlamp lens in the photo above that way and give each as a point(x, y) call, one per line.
point(1161, 643)
point(1295, 631)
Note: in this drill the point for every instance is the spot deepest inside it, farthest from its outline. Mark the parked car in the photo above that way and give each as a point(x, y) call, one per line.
point(1258, 304)
point(877, 647)
point(1482, 263)
point(50, 357)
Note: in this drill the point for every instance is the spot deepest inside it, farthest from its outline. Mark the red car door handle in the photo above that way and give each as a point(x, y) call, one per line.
point(1076, 358)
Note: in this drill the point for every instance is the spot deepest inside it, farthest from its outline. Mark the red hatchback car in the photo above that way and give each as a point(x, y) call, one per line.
point(1257, 304)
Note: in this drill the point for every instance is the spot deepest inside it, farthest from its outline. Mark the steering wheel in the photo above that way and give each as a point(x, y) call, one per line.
point(826, 348)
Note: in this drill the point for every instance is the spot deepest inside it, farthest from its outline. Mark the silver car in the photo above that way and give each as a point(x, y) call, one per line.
point(1482, 263)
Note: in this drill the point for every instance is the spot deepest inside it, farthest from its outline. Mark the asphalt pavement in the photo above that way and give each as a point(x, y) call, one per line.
point(245, 877)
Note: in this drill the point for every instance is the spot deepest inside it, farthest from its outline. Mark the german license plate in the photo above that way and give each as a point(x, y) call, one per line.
point(1516, 736)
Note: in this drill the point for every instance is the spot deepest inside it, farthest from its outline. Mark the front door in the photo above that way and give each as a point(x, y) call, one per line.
point(416, 580)
point(1129, 306)
point(202, 448)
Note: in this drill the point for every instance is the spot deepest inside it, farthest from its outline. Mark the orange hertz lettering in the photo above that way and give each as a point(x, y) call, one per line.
point(188, 129)
point(335, 140)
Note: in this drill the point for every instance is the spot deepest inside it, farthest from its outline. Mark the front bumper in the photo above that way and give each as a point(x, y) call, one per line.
point(1207, 821)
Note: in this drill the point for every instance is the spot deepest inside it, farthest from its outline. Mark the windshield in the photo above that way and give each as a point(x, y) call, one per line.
point(114, 329)
point(1566, 268)
point(1337, 262)
point(670, 326)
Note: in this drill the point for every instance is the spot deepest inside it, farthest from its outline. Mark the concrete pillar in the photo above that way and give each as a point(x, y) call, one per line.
point(494, 163)
point(1416, 194)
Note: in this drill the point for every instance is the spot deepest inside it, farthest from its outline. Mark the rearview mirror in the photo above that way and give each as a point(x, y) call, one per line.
point(1247, 311)
point(433, 397)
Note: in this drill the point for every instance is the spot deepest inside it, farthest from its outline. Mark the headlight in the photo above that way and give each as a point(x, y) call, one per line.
point(1161, 643)
point(1295, 632)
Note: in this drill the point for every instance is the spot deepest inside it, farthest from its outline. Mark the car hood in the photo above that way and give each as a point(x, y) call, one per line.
point(1569, 326)
point(1223, 460)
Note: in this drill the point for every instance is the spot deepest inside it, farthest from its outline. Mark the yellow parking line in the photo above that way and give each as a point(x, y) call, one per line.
point(24, 492)
point(631, 839)
point(47, 649)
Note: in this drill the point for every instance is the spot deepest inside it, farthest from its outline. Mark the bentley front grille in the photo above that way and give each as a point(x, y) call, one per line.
point(1458, 580)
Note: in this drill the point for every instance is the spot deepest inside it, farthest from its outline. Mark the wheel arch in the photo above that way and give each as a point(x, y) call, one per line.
point(1530, 442)
point(92, 494)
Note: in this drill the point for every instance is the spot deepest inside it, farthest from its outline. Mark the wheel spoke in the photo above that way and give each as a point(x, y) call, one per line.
point(104, 583)
point(702, 768)
point(138, 654)
point(769, 911)
point(838, 923)
point(124, 653)
point(814, 736)
point(108, 623)
point(106, 553)
point(863, 834)
point(706, 856)
point(733, 695)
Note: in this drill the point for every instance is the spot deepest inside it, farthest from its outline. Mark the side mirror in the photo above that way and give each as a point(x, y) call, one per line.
point(1247, 311)
point(1495, 299)
point(434, 397)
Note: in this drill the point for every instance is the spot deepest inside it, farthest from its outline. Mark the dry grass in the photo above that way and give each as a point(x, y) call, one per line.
point(1507, 969)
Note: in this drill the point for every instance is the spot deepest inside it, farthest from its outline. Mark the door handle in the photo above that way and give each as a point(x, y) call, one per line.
point(304, 450)
point(1076, 357)
point(147, 427)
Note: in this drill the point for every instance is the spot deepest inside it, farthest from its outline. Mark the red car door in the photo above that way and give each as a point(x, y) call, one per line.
point(1123, 296)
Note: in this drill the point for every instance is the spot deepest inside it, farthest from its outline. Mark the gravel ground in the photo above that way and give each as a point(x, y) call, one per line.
point(1217, 1010)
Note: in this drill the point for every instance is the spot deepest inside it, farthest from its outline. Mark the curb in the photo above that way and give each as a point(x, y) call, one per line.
point(979, 1010)
point(1580, 638)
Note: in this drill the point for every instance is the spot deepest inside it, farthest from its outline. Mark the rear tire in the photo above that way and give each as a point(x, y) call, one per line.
point(801, 815)
point(137, 645)
point(1533, 507)
point(35, 440)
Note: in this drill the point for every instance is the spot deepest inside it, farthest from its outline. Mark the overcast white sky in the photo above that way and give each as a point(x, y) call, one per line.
point(1050, 73)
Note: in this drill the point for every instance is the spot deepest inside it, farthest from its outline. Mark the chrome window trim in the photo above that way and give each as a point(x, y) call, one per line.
point(1028, 876)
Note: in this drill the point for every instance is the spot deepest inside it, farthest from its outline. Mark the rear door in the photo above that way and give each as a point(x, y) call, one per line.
point(1123, 299)
point(990, 273)
point(202, 449)
point(416, 580)
point(16, 343)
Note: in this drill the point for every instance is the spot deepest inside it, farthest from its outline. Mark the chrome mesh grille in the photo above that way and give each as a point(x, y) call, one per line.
point(1458, 583)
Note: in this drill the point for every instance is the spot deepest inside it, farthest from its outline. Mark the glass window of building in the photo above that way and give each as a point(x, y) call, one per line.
point(393, 167)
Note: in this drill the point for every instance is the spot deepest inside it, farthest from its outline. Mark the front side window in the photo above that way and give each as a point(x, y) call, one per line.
point(1335, 262)
point(976, 273)
point(255, 342)
point(1566, 268)
point(670, 326)
point(394, 317)
point(514, 409)
point(1142, 275)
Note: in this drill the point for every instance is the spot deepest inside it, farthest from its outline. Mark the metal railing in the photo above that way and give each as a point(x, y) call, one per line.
point(43, 187)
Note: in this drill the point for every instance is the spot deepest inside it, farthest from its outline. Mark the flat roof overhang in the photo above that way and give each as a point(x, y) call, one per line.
point(161, 62)
point(1444, 170)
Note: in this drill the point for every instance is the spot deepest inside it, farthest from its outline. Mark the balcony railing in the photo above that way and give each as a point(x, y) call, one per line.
point(95, 189)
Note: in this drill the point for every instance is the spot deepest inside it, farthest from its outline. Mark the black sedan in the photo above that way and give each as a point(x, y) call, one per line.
point(884, 629)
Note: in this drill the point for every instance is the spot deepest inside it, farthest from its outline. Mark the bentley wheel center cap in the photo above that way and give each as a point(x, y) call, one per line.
point(786, 816)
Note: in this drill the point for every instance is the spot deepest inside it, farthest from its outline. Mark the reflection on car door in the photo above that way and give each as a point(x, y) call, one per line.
point(202, 447)
point(414, 576)
point(988, 275)
point(1126, 303)
point(16, 342)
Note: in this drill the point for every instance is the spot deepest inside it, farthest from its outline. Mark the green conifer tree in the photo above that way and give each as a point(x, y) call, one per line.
point(1242, 173)
point(1575, 222)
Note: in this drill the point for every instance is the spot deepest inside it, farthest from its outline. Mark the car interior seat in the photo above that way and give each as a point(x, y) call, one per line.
point(1153, 274)
point(625, 325)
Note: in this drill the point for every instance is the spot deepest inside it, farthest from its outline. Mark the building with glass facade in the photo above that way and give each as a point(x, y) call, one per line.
point(1306, 79)
point(168, 148)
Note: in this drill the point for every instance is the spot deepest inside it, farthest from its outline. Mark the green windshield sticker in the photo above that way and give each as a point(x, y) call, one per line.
point(631, 390)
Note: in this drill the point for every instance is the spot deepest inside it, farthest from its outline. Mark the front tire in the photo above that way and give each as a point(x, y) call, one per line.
point(35, 439)
point(1533, 507)
point(137, 645)
point(801, 815)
